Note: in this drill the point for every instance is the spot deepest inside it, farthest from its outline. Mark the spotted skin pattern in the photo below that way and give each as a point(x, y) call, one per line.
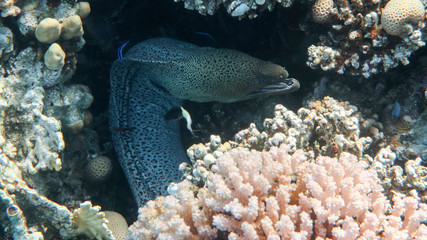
point(156, 75)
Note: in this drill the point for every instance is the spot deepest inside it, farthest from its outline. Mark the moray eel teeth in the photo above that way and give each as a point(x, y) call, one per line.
point(154, 77)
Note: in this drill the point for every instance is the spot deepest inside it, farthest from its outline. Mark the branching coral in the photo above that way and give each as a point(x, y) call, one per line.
point(276, 195)
point(338, 126)
point(326, 127)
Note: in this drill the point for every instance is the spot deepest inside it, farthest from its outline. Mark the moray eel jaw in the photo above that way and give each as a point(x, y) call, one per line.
point(267, 79)
point(287, 86)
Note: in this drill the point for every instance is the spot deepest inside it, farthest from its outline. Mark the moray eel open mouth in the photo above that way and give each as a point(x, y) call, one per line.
point(287, 86)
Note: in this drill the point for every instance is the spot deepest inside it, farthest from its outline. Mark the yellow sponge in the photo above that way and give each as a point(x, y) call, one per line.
point(54, 58)
point(48, 30)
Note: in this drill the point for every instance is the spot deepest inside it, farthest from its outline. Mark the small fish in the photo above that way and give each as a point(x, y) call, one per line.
point(120, 50)
point(187, 117)
point(208, 35)
point(396, 110)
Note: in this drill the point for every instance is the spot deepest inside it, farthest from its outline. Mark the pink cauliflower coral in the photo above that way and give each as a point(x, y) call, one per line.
point(275, 195)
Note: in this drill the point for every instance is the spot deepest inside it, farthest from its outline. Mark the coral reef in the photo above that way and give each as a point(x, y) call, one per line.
point(233, 201)
point(22, 115)
point(328, 128)
point(239, 8)
point(35, 106)
point(69, 104)
point(327, 170)
point(15, 194)
point(278, 195)
point(60, 28)
point(377, 98)
point(363, 39)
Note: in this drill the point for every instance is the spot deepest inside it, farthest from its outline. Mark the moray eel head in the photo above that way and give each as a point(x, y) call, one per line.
point(244, 77)
point(272, 79)
point(226, 75)
point(254, 78)
point(203, 74)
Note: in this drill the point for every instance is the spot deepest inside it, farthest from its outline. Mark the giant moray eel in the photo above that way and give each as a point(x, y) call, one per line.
point(155, 76)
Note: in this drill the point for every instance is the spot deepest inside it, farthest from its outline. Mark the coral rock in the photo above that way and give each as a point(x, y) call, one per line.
point(398, 13)
point(54, 58)
point(322, 10)
point(6, 41)
point(117, 224)
point(99, 169)
point(69, 105)
point(8, 8)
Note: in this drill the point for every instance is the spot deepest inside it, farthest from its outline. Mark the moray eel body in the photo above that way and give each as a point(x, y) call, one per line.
point(155, 76)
